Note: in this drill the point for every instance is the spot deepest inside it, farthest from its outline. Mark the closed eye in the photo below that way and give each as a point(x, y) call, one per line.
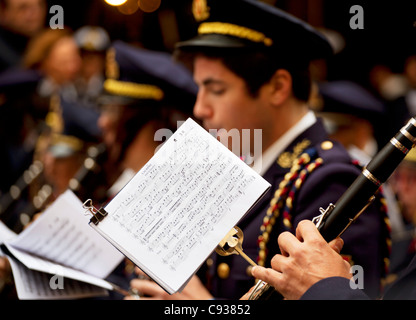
point(216, 87)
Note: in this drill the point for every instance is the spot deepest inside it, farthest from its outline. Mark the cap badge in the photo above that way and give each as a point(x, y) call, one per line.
point(112, 68)
point(287, 158)
point(200, 10)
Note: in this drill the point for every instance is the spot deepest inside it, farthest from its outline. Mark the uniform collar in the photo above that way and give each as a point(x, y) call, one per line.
point(262, 164)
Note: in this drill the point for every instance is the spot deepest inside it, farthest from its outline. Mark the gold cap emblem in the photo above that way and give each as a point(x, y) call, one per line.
point(200, 10)
point(112, 69)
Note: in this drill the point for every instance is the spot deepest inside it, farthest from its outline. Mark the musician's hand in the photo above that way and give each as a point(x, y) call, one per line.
point(5, 269)
point(248, 293)
point(148, 289)
point(305, 259)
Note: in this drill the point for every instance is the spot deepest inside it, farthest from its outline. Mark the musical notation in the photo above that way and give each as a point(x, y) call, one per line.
point(177, 207)
point(197, 192)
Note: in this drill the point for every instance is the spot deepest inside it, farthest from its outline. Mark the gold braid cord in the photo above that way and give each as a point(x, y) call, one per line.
point(283, 200)
point(234, 30)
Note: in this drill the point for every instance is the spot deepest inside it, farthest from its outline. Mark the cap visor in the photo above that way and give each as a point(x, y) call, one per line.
point(212, 41)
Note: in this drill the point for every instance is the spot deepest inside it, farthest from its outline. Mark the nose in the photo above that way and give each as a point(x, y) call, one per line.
point(103, 121)
point(202, 108)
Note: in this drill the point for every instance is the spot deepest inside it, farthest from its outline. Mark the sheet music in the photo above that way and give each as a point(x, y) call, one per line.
point(35, 285)
point(37, 264)
point(180, 205)
point(61, 234)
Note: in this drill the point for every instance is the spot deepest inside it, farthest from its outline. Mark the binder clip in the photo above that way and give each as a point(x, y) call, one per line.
point(97, 215)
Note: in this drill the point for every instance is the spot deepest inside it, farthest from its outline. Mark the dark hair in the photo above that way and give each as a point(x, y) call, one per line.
point(41, 45)
point(133, 117)
point(255, 67)
point(137, 114)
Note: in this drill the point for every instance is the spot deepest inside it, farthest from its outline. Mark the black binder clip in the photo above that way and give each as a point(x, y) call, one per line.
point(97, 215)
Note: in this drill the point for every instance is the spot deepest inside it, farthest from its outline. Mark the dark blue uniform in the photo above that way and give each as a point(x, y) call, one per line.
point(365, 240)
point(337, 288)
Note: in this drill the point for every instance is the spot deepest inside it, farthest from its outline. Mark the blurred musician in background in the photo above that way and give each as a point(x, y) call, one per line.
point(146, 96)
point(145, 93)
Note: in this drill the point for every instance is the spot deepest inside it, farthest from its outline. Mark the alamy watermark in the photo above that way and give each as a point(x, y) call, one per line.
point(357, 20)
point(357, 279)
point(245, 143)
point(57, 20)
point(57, 280)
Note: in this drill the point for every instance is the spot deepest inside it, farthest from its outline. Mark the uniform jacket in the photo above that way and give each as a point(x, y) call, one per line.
point(337, 288)
point(365, 241)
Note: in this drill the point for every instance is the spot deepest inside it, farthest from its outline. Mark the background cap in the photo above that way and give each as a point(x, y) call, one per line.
point(349, 98)
point(91, 38)
point(143, 74)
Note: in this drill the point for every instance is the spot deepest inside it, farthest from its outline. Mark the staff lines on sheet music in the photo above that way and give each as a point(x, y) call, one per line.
point(36, 284)
point(172, 178)
point(41, 245)
point(182, 247)
point(177, 203)
point(83, 256)
point(54, 252)
point(64, 236)
point(191, 190)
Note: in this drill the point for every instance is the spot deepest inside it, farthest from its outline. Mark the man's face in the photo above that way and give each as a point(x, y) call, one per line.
point(404, 184)
point(223, 100)
point(26, 17)
point(63, 63)
point(108, 123)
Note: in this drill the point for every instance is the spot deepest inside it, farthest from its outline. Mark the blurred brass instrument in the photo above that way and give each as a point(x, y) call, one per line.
point(10, 199)
point(21, 216)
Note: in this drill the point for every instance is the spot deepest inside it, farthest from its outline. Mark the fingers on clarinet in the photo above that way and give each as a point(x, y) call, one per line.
point(287, 243)
point(266, 274)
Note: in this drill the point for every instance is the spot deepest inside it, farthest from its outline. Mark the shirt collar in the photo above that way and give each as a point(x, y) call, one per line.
point(263, 163)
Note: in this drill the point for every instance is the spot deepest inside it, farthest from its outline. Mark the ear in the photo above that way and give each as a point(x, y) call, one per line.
point(280, 86)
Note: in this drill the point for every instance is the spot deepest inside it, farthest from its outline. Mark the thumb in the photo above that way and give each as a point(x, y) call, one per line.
point(337, 244)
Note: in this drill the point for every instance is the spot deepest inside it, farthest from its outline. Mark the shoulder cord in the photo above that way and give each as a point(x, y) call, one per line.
point(282, 204)
point(283, 198)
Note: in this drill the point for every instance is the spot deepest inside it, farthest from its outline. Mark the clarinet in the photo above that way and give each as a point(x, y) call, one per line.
point(335, 219)
point(87, 174)
point(8, 200)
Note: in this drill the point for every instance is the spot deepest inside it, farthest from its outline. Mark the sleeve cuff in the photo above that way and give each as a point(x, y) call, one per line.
point(333, 288)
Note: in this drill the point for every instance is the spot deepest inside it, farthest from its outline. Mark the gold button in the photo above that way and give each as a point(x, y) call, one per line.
point(223, 270)
point(209, 262)
point(287, 223)
point(327, 145)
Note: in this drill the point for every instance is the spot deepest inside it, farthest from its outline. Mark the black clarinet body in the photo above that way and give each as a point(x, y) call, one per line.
point(360, 193)
point(333, 221)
